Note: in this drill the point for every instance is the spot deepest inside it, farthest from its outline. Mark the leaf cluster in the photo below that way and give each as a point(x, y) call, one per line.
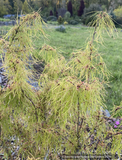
point(65, 114)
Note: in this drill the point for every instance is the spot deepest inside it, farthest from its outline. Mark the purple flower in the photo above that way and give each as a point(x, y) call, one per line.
point(120, 119)
point(115, 126)
point(117, 123)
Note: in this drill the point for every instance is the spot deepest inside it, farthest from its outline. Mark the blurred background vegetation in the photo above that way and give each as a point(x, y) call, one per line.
point(72, 11)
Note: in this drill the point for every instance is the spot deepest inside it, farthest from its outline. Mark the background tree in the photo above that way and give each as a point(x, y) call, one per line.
point(69, 7)
point(47, 5)
point(7, 6)
point(75, 6)
point(3, 8)
point(17, 6)
point(81, 9)
point(55, 10)
point(11, 2)
point(51, 13)
point(25, 7)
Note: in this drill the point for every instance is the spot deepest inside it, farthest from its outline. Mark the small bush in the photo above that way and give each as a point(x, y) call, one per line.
point(118, 11)
point(51, 18)
point(73, 22)
point(117, 16)
point(65, 23)
point(104, 8)
point(61, 28)
point(77, 18)
point(67, 15)
point(60, 20)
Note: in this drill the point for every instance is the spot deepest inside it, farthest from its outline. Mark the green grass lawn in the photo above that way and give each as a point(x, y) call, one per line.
point(4, 20)
point(76, 38)
point(4, 30)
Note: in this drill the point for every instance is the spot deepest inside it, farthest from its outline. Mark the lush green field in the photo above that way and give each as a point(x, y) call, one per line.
point(76, 38)
point(4, 20)
point(4, 30)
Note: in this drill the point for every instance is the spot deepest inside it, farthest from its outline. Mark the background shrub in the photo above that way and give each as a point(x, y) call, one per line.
point(117, 16)
point(92, 8)
point(61, 28)
point(118, 11)
point(73, 22)
point(51, 18)
point(67, 16)
point(77, 18)
point(60, 20)
point(104, 8)
point(65, 23)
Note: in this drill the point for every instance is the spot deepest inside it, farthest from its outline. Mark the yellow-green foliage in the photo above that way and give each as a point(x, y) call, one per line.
point(60, 20)
point(65, 23)
point(47, 53)
point(69, 100)
point(118, 11)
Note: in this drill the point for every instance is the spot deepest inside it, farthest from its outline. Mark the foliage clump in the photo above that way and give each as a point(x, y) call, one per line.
point(60, 20)
point(61, 28)
point(118, 11)
point(65, 114)
point(67, 16)
point(73, 22)
point(65, 23)
point(51, 18)
point(118, 16)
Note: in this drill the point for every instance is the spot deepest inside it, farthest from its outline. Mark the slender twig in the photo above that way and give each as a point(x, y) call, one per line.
point(32, 104)
point(78, 136)
point(91, 51)
point(64, 137)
